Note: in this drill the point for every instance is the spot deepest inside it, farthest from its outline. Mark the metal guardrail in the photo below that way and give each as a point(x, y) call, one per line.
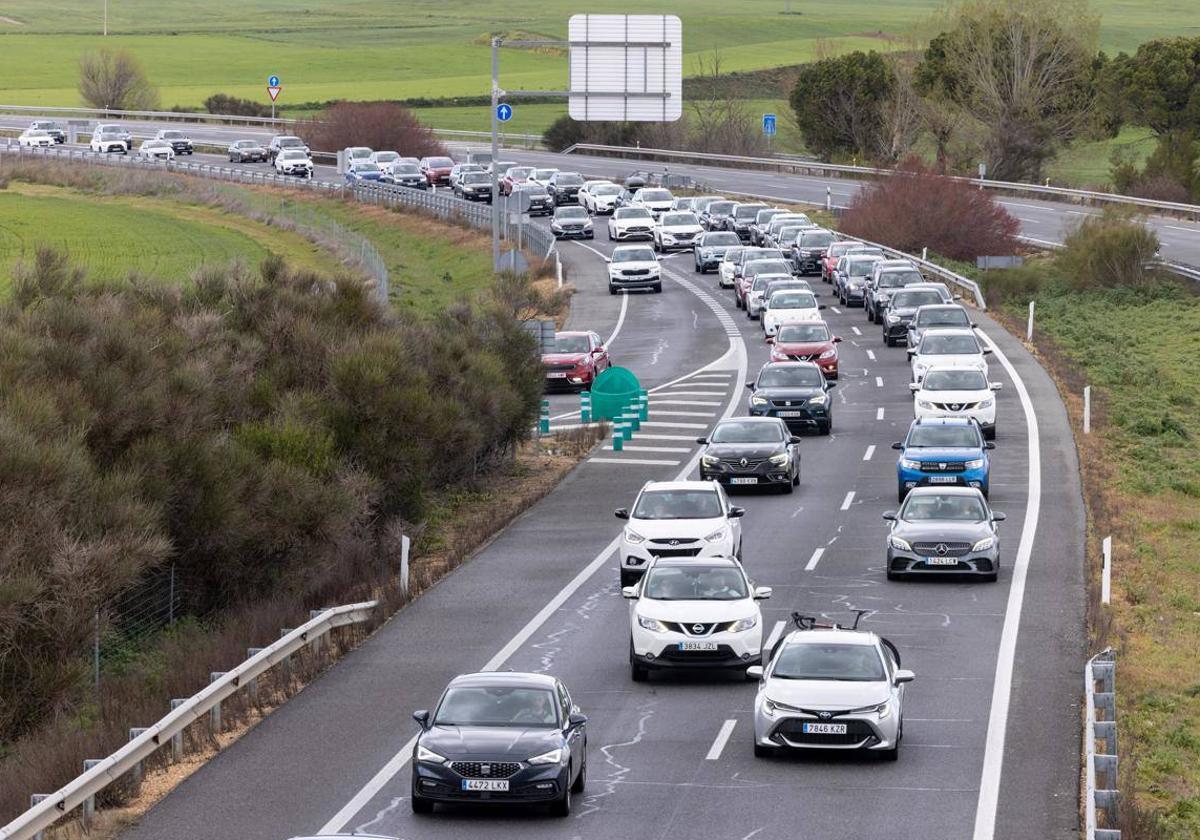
point(927, 267)
point(129, 758)
point(115, 114)
point(1100, 768)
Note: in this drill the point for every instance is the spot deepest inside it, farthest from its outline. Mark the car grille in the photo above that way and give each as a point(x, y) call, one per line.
point(788, 403)
point(804, 357)
point(688, 236)
point(943, 466)
point(675, 552)
point(955, 406)
point(561, 366)
point(689, 629)
point(856, 732)
point(637, 229)
point(948, 549)
point(736, 464)
point(635, 272)
point(572, 228)
point(723, 653)
point(496, 770)
point(675, 547)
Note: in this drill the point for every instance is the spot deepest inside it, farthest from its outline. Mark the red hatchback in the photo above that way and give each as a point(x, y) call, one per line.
point(436, 169)
point(514, 177)
point(577, 358)
point(810, 341)
point(836, 251)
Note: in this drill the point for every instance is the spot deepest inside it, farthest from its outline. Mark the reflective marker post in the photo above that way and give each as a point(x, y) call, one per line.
point(1029, 328)
point(585, 407)
point(544, 420)
point(1087, 409)
point(1106, 571)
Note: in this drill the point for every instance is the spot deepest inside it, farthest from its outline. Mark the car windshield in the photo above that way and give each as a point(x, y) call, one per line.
point(838, 249)
point(657, 195)
point(471, 177)
point(360, 152)
point(746, 211)
point(695, 583)
point(943, 436)
point(733, 255)
point(815, 239)
point(633, 213)
point(469, 167)
point(802, 333)
point(571, 213)
point(605, 189)
point(720, 238)
point(764, 216)
point(172, 135)
point(519, 172)
point(896, 279)
point(790, 377)
point(440, 163)
point(543, 174)
point(757, 267)
point(571, 344)
point(746, 431)
point(678, 504)
point(413, 169)
point(366, 167)
point(622, 255)
point(679, 219)
point(764, 280)
point(814, 661)
point(954, 380)
point(386, 157)
point(497, 706)
point(291, 142)
point(291, 155)
point(534, 190)
point(937, 317)
point(749, 255)
point(948, 345)
point(246, 144)
point(911, 300)
point(792, 300)
point(569, 179)
point(957, 507)
point(720, 208)
point(859, 268)
point(789, 220)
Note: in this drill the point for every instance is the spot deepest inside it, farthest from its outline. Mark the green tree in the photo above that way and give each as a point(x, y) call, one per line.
point(1159, 86)
point(840, 105)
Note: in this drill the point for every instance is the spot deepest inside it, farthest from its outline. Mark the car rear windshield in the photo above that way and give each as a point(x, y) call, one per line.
point(957, 345)
point(720, 238)
point(674, 219)
point(955, 317)
point(943, 436)
point(733, 254)
point(747, 211)
point(497, 706)
point(568, 179)
point(469, 178)
point(747, 431)
point(678, 504)
point(622, 255)
point(571, 344)
point(838, 249)
point(954, 380)
point(911, 300)
point(853, 663)
point(757, 267)
point(605, 189)
point(657, 195)
point(790, 377)
point(793, 300)
point(571, 213)
point(720, 208)
point(896, 279)
point(633, 213)
point(802, 333)
point(815, 239)
point(956, 507)
point(695, 583)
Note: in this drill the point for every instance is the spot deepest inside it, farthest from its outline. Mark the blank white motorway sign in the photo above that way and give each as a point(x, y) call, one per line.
point(626, 67)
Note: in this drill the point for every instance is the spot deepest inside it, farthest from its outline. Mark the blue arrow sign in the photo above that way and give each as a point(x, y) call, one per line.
point(769, 125)
point(504, 112)
point(272, 81)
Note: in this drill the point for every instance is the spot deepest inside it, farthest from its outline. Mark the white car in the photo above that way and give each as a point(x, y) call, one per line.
point(109, 140)
point(35, 137)
point(787, 307)
point(948, 348)
point(294, 162)
point(631, 223)
point(541, 177)
point(678, 519)
point(599, 197)
point(654, 199)
point(357, 154)
point(830, 689)
point(727, 267)
point(385, 160)
point(116, 130)
point(634, 267)
point(688, 613)
point(677, 230)
point(758, 274)
point(155, 150)
point(957, 392)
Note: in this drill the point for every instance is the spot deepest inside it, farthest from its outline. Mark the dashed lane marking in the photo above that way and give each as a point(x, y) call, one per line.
point(871, 355)
point(814, 560)
point(656, 425)
point(646, 461)
point(684, 414)
point(776, 632)
point(870, 451)
point(856, 330)
point(714, 752)
point(878, 381)
point(651, 449)
point(849, 500)
point(879, 413)
point(658, 401)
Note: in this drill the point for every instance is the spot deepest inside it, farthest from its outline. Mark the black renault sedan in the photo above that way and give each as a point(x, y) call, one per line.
point(500, 737)
point(795, 392)
point(751, 451)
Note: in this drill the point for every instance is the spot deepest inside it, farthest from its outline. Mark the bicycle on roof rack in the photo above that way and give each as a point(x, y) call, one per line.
point(812, 622)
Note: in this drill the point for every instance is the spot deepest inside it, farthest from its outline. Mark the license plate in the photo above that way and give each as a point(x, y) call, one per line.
point(790, 413)
point(746, 480)
point(825, 729)
point(941, 561)
point(708, 646)
point(942, 479)
point(500, 785)
point(556, 376)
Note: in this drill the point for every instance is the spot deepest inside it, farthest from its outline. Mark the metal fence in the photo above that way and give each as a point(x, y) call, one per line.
point(1101, 797)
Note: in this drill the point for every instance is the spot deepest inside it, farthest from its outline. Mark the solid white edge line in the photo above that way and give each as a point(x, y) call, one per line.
point(878, 381)
point(736, 354)
point(870, 451)
point(620, 322)
point(849, 500)
point(814, 560)
point(993, 756)
point(776, 632)
point(718, 745)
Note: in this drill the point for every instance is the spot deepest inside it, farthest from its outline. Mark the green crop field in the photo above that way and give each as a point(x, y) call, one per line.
point(370, 49)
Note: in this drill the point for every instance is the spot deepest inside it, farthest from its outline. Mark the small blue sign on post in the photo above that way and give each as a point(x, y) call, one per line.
point(504, 112)
point(769, 125)
point(272, 81)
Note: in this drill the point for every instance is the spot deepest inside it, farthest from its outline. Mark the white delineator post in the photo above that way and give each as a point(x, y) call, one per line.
point(1029, 327)
point(1087, 409)
point(1106, 571)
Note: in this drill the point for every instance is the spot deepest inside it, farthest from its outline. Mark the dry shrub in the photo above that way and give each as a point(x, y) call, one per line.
point(1111, 249)
point(916, 208)
point(380, 125)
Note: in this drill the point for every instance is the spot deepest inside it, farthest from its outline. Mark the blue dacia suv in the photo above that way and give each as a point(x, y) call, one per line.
point(943, 450)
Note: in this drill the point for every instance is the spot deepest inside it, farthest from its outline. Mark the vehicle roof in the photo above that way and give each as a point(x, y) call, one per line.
point(944, 421)
point(760, 420)
point(935, 331)
point(945, 490)
point(520, 679)
point(886, 265)
point(818, 636)
point(716, 560)
point(681, 485)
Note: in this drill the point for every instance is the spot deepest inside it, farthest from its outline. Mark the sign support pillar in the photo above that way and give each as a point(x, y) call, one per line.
point(495, 154)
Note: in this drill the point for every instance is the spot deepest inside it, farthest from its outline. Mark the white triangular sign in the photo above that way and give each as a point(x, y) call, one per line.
point(274, 91)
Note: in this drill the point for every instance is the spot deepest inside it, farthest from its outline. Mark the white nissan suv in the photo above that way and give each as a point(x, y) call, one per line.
point(957, 392)
point(694, 613)
point(678, 519)
point(948, 348)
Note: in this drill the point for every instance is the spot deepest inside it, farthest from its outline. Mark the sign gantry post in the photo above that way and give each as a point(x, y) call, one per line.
point(273, 90)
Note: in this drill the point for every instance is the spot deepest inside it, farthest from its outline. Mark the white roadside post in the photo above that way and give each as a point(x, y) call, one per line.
point(1087, 409)
point(1029, 327)
point(1106, 571)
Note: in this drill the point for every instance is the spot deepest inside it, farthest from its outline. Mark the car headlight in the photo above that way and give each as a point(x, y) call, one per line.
point(744, 624)
point(705, 253)
point(975, 464)
point(717, 535)
point(899, 544)
point(774, 707)
point(552, 757)
point(984, 544)
point(828, 354)
point(652, 624)
point(819, 399)
point(988, 403)
point(925, 404)
point(909, 464)
point(757, 400)
point(709, 460)
point(882, 709)
point(892, 318)
point(424, 754)
point(779, 460)
point(633, 537)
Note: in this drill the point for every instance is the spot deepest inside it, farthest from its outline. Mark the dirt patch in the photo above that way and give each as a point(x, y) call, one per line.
point(878, 35)
point(7, 21)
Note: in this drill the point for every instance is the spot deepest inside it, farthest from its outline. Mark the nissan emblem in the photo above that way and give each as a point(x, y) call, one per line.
point(697, 629)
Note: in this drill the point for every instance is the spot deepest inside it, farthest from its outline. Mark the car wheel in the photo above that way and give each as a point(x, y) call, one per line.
point(581, 779)
point(894, 753)
point(612, 290)
point(421, 805)
point(824, 428)
point(562, 806)
point(657, 288)
point(796, 478)
point(789, 487)
point(764, 752)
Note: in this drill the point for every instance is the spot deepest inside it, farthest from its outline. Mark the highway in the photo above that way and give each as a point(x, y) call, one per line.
point(992, 722)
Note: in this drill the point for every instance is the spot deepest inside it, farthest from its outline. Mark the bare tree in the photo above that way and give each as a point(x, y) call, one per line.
point(109, 79)
point(721, 122)
point(902, 114)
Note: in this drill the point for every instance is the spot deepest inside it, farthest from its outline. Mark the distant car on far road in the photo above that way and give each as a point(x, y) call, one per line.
point(181, 144)
point(50, 127)
point(35, 138)
point(280, 142)
point(247, 151)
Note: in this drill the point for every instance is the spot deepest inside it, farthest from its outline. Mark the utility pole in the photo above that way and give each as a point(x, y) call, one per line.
point(495, 154)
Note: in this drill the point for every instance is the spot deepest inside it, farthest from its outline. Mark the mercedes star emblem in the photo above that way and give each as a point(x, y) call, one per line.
point(940, 549)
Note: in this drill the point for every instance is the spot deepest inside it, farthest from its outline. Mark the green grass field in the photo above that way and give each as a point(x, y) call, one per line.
point(367, 49)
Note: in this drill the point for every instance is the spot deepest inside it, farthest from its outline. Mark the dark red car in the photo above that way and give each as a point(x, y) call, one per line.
point(833, 253)
point(436, 169)
point(577, 358)
point(515, 177)
point(808, 341)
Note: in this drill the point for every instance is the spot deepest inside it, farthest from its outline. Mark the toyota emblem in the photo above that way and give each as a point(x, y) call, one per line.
point(824, 715)
point(697, 629)
point(744, 462)
point(940, 549)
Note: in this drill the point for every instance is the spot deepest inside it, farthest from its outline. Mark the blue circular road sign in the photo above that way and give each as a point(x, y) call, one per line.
point(272, 81)
point(504, 112)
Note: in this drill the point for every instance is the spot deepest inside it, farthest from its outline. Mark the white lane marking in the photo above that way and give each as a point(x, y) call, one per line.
point(856, 330)
point(716, 389)
point(653, 448)
point(660, 399)
point(814, 560)
point(656, 425)
point(870, 451)
point(620, 321)
point(879, 413)
point(849, 500)
point(878, 381)
point(685, 413)
point(1185, 230)
point(773, 637)
point(689, 438)
point(993, 756)
point(871, 355)
point(835, 309)
point(714, 375)
point(650, 462)
point(714, 752)
point(736, 355)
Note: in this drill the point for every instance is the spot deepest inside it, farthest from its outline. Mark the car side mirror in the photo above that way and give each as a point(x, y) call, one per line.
point(837, 339)
point(829, 385)
point(820, 306)
point(911, 353)
point(750, 385)
point(421, 716)
point(703, 441)
point(575, 720)
point(914, 387)
point(630, 592)
point(762, 593)
point(736, 512)
point(989, 445)
point(958, 297)
point(897, 445)
point(987, 351)
point(903, 676)
point(621, 513)
point(755, 672)
point(999, 517)
point(794, 439)
point(974, 325)
point(770, 339)
point(889, 515)
point(995, 386)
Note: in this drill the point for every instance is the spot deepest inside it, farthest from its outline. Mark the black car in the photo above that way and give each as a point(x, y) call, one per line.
point(900, 311)
point(809, 249)
point(410, 175)
point(761, 220)
point(941, 530)
point(742, 217)
point(887, 282)
point(50, 127)
point(751, 451)
point(473, 186)
point(711, 247)
point(537, 201)
point(180, 142)
point(564, 187)
point(242, 151)
point(795, 392)
point(502, 738)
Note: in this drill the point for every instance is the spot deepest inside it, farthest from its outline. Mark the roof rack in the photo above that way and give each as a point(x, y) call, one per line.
point(810, 622)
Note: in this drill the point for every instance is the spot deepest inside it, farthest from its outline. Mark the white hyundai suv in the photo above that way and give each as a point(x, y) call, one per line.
point(676, 230)
point(957, 392)
point(678, 519)
point(694, 613)
point(948, 348)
